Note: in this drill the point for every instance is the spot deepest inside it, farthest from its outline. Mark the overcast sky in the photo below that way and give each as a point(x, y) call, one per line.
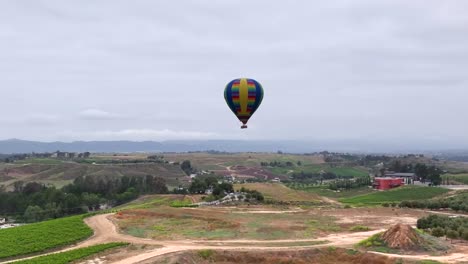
point(156, 70)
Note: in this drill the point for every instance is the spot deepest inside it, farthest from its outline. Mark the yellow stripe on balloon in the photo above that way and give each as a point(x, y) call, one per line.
point(243, 96)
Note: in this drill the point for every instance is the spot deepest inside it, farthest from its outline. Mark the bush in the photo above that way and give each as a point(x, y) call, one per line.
point(359, 228)
point(206, 253)
point(438, 232)
point(452, 234)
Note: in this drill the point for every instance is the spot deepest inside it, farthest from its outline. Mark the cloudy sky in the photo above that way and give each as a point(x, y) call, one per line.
point(156, 70)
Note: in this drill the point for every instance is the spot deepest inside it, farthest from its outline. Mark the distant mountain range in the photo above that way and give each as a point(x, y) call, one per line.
point(355, 146)
point(23, 146)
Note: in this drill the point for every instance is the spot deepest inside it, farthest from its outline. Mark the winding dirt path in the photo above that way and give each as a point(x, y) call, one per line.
point(105, 231)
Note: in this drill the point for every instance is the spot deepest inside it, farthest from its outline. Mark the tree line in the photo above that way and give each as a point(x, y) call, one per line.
point(439, 226)
point(457, 202)
point(31, 202)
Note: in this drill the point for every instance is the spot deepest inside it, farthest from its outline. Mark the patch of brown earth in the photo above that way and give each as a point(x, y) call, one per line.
point(402, 236)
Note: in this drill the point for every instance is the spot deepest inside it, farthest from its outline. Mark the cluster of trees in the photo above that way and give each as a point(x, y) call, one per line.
point(200, 184)
point(314, 177)
point(279, 164)
point(347, 184)
point(33, 201)
point(186, 166)
point(252, 194)
point(422, 171)
point(439, 226)
point(457, 203)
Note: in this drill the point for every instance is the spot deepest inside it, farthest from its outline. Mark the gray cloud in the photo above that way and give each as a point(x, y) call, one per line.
point(342, 69)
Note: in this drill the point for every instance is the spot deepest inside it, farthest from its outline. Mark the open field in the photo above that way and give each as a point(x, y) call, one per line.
point(151, 201)
point(279, 192)
point(42, 236)
point(396, 195)
point(324, 191)
point(206, 161)
point(461, 178)
point(72, 255)
point(323, 256)
point(166, 223)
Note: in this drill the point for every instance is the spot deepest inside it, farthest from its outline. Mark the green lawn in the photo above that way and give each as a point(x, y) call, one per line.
point(38, 237)
point(396, 195)
point(72, 255)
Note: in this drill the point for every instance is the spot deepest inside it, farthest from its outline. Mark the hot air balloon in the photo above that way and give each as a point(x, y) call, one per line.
point(243, 96)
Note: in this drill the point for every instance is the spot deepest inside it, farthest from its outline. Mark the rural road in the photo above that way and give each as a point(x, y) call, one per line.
point(105, 231)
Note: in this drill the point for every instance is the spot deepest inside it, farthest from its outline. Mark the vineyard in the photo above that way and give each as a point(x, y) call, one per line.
point(396, 195)
point(72, 255)
point(42, 236)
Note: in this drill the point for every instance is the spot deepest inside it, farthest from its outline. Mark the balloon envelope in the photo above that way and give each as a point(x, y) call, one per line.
point(243, 96)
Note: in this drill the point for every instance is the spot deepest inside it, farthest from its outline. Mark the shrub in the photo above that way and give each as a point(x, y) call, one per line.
point(359, 228)
point(452, 234)
point(206, 253)
point(438, 232)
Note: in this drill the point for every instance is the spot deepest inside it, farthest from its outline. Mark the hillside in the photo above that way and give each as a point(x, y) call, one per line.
point(65, 172)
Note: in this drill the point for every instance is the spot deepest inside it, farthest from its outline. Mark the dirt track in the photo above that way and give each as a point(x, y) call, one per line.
point(105, 231)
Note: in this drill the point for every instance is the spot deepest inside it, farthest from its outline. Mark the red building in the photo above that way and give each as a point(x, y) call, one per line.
point(388, 183)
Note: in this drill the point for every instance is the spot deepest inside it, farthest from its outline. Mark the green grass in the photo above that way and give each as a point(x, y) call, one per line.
point(72, 255)
point(461, 178)
point(375, 243)
point(206, 253)
point(324, 191)
point(359, 228)
point(38, 237)
point(40, 161)
point(183, 203)
point(396, 195)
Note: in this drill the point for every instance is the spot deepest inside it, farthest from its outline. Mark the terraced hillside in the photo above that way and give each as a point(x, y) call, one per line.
point(64, 173)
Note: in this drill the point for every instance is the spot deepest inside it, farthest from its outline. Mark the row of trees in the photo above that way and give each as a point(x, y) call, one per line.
point(33, 201)
point(280, 164)
point(347, 184)
point(439, 226)
point(314, 177)
point(458, 202)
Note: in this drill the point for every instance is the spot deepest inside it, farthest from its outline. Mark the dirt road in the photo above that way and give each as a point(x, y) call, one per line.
point(105, 231)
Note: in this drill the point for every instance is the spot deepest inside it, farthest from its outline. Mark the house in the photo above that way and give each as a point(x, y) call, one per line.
point(408, 177)
point(276, 180)
point(388, 183)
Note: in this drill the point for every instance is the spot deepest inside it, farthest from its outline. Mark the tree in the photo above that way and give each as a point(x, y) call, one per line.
point(438, 232)
point(464, 235)
point(18, 186)
point(434, 175)
point(186, 166)
point(452, 234)
point(421, 171)
point(33, 214)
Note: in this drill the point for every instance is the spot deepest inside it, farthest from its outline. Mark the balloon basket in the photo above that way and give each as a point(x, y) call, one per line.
point(243, 126)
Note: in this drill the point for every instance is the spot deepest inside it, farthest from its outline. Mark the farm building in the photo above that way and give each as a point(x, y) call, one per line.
point(408, 177)
point(388, 183)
